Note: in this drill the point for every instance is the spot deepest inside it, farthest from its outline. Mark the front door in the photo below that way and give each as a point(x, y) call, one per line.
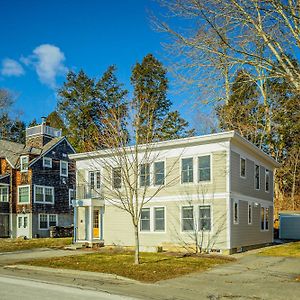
point(96, 230)
point(23, 225)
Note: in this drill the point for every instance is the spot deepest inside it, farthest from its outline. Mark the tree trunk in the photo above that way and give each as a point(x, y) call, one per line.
point(137, 245)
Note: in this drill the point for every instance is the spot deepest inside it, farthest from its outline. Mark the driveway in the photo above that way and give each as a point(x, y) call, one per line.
point(250, 277)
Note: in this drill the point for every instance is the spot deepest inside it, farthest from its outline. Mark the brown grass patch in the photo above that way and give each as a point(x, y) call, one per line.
point(288, 250)
point(153, 267)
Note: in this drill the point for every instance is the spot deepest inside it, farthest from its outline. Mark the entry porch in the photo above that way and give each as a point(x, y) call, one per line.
point(88, 221)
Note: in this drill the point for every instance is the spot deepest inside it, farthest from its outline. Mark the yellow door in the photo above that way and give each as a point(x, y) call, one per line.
point(96, 224)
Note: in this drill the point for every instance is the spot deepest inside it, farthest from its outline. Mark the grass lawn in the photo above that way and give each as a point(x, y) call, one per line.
point(153, 267)
point(290, 250)
point(7, 245)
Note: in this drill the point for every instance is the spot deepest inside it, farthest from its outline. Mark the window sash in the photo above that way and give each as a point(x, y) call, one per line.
point(24, 163)
point(117, 179)
point(204, 218)
point(267, 181)
point(144, 175)
point(249, 213)
point(204, 169)
point(243, 167)
point(52, 220)
point(159, 173)
point(159, 219)
point(43, 222)
point(24, 195)
point(47, 162)
point(145, 219)
point(187, 172)
point(187, 218)
point(64, 168)
point(257, 177)
point(95, 180)
point(235, 212)
point(44, 194)
point(3, 194)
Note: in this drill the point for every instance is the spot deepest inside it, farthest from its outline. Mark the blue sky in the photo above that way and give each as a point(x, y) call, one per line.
point(41, 40)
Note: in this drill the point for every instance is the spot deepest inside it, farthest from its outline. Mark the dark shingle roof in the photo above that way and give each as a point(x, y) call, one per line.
point(12, 151)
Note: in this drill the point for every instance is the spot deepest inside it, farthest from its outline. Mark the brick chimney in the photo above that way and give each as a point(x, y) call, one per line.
point(40, 135)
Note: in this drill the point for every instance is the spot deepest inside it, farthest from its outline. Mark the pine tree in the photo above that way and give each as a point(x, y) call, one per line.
point(150, 100)
point(56, 121)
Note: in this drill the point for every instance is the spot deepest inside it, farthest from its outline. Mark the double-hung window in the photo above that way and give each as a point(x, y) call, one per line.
point(72, 196)
point(204, 218)
point(64, 168)
point(144, 175)
point(46, 221)
point(95, 178)
point(24, 194)
point(145, 219)
point(267, 180)
point(187, 218)
point(4, 194)
point(47, 162)
point(159, 219)
point(187, 172)
point(264, 218)
point(242, 167)
point(204, 168)
point(116, 178)
point(257, 177)
point(235, 212)
point(44, 194)
point(159, 173)
point(24, 163)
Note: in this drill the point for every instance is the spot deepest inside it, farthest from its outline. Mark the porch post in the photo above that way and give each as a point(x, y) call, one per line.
point(91, 223)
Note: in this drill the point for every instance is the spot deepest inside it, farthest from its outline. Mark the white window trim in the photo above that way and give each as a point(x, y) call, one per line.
point(211, 218)
point(29, 191)
point(44, 195)
point(264, 207)
point(243, 177)
point(211, 170)
point(259, 167)
point(21, 163)
point(238, 211)
point(45, 159)
point(48, 217)
point(196, 219)
point(194, 163)
point(89, 179)
point(70, 191)
point(7, 193)
point(60, 163)
point(153, 174)
point(152, 223)
point(267, 191)
point(250, 204)
point(150, 177)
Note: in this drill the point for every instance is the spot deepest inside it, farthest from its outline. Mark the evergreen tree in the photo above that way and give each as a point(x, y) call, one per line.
point(33, 123)
point(150, 101)
point(18, 132)
point(243, 112)
point(80, 107)
point(54, 120)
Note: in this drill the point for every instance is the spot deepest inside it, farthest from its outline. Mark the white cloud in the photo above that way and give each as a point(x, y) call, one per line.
point(11, 67)
point(48, 61)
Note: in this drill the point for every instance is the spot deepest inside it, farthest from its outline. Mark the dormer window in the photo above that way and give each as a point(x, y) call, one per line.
point(47, 162)
point(24, 163)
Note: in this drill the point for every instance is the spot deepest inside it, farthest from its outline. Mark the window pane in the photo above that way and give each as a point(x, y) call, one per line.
point(204, 218)
point(187, 170)
point(159, 173)
point(25, 222)
point(262, 218)
point(257, 179)
point(52, 220)
point(39, 194)
point(235, 212)
point(98, 178)
point(159, 216)
point(187, 218)
point(267, 218)
point(249, 213)
point(243, 167)
point(43, 222)
point(204, 168)
point(48, 194)
point(20, 222)
point(145, 175)
point(23, 194)
point(267, 180)
point(145, 219)
point(117, 178)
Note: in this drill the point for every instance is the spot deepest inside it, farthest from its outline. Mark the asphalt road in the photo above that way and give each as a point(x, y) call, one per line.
point(14, 288)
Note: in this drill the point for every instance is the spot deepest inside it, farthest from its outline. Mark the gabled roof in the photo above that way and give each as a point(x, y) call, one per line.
point(12, 151)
